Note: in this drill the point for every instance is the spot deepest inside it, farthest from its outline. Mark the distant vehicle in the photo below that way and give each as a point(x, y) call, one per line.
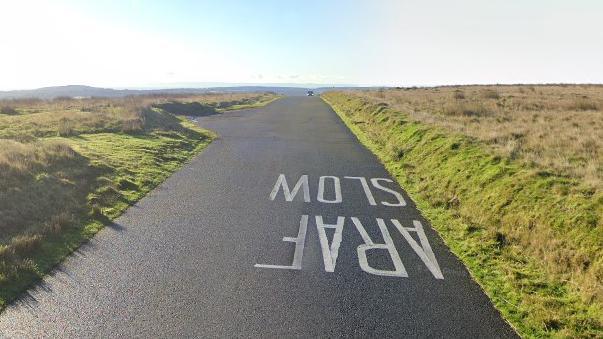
point(310, 93)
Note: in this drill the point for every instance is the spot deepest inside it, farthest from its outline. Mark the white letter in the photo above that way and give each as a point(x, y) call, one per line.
point(321, 190)
point(299, 241)
point(424, 251)
point(399, 270)
point(282, 181)
point(366, 189)
point(401, 202)
point(329, 254)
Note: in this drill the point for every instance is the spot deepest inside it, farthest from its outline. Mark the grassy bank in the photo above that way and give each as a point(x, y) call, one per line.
point(558, 129)
point(530, 234)
point(68, 167)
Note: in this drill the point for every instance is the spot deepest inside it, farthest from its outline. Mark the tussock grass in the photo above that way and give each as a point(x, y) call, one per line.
point(458, 94)
point(71, 117)
point(490, 94)
point(531, 235)
point(8, 110)
point(583, 104)
point(69, 166)
point(469, 109)
point(556, 128)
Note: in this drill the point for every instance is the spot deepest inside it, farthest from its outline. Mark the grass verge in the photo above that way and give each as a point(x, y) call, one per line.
point(69, 167)
point(260, 102)
point(530, 238)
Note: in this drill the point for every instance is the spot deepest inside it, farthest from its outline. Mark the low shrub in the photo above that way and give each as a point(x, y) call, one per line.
point(8, 110)
point(468, 109)
point(490, 94)
point(584, 104)
point(459, 95)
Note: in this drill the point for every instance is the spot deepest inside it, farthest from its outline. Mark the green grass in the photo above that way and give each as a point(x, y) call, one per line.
point(531, 239)
point(110, 172)
point(59, 189)
point(263, 101)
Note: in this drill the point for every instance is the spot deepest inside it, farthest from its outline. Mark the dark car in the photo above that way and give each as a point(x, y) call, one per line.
point(310, 93)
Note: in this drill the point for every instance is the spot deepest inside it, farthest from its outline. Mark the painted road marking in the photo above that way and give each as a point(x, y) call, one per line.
point(321, 190)
point(366, 188)
point(300, 242)
point(398, 271)
point(401, 202)
point(302, 183)
point(330, 252)
point(424, 250)
point(281, 182)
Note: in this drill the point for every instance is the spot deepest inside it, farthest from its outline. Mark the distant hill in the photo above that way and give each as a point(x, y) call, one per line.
point(53, 92)
point(88, 91)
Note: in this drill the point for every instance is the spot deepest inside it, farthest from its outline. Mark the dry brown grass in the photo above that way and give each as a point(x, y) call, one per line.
point(24, 168)
point(18, 156)
point(68, 117)
point(557, 128)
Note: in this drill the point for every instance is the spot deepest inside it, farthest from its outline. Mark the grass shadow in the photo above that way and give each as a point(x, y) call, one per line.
point(188, 108)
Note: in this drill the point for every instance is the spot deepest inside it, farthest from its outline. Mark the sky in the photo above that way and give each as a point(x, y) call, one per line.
point(373, 42)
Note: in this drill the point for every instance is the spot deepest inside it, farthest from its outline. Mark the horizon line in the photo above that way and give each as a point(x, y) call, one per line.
point(210, 85)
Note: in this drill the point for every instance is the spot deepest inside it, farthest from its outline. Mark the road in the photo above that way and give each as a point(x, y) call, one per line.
point(218, 250)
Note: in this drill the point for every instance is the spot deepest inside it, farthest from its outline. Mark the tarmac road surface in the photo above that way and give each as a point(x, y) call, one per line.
point(283, 226)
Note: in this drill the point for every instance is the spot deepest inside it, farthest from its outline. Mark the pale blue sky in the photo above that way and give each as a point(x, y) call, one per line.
point(379, 42)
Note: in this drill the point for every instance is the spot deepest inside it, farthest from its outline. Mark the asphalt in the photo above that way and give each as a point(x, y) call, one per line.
point(181, 262)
